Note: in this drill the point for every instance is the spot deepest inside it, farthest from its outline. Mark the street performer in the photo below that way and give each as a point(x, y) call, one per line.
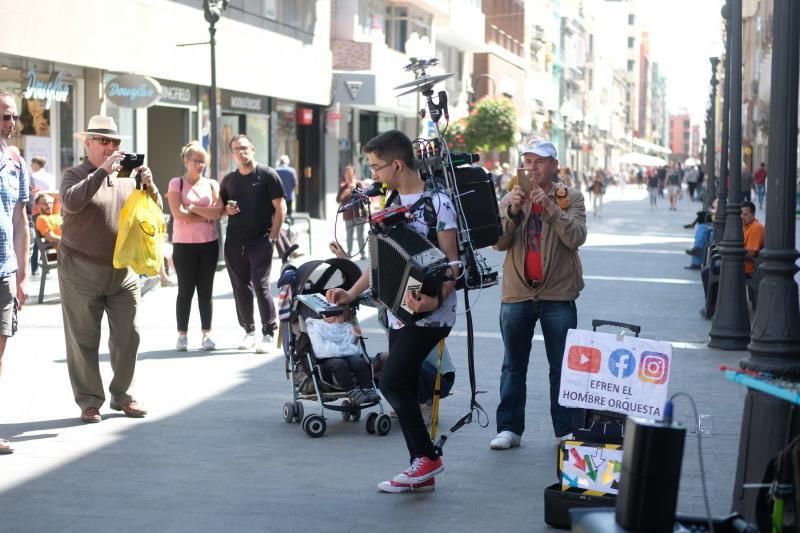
point(390, 158)
point(542, 277)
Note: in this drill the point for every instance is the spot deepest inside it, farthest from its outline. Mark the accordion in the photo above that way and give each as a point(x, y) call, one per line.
point(401, 261)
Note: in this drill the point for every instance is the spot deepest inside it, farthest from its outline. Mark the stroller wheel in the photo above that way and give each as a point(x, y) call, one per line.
point(298, 411)
point(288, 412)
point(314, 426)
point(371, 422)
point(355, 414)
point(346, 410)
point(383, 425)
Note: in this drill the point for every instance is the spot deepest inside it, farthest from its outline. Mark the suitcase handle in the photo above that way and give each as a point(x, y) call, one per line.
point(632, 327)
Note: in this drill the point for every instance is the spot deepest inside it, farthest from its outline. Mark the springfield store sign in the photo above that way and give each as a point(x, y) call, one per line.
point(131, 90)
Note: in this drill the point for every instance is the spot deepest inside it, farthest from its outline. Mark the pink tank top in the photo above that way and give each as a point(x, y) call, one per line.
point(201, 195)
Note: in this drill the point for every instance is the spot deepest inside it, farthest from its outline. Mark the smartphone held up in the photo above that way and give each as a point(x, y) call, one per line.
point(524, 179)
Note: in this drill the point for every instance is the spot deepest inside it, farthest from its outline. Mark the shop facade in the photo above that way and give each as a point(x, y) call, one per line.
point(50, 105)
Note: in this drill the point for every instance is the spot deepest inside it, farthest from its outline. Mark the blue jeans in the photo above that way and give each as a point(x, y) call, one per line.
point(761, 190)
point(517, 324)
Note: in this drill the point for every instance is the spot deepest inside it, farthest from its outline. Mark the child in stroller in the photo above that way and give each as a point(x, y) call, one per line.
point(336, 346)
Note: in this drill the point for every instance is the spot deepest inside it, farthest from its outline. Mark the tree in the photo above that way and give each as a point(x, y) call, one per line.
point(492, 125)
point(457, 137)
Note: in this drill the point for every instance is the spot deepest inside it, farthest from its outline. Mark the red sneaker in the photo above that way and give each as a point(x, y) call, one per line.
point(422, 469)
point(395, 488)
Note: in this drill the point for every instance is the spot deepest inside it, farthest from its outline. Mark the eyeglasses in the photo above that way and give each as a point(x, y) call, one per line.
point(9, 116)
point(241, 148)
point(375, 169)
point(105, 141)
point(197, 161)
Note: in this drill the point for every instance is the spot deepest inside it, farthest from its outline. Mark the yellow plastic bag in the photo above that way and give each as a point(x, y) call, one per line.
point(141, 235)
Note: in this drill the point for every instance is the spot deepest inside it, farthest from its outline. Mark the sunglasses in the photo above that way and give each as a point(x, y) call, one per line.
point(105, 141)
point(9, 116)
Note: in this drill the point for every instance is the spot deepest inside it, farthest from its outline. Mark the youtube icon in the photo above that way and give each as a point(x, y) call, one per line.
point(584, 359)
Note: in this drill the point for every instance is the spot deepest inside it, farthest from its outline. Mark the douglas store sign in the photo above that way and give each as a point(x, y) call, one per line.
point(53, 90)
point(131, 90)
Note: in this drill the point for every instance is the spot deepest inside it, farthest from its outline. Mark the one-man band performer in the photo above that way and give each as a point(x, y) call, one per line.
point(391, 161)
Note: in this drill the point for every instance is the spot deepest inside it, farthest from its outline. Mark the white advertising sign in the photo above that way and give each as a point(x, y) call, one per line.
point(608, 372)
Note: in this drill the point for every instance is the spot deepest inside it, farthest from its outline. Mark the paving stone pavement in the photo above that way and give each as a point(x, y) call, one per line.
point(214, 454)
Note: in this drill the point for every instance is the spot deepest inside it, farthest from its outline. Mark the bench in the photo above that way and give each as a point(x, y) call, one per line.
point(48, 260)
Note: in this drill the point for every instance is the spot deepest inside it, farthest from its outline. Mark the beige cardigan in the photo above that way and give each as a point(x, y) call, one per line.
point(562, 234)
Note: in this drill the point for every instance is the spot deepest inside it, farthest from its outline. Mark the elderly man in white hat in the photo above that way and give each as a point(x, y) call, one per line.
point(544, 223)
point(92, 197)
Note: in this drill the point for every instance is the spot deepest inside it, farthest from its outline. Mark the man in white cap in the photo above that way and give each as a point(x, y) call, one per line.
point(92, 197)
point(542, 277)
point(14, 234)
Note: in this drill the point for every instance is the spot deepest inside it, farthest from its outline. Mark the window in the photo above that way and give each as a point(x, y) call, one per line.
point(631, 19)
point(371, 19)
point(686, 124)
point(401, 22)
point(295, 18)
point(630, 65)
point(631, 42)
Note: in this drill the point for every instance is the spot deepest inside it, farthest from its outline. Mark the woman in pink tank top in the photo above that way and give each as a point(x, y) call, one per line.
point(194, 204)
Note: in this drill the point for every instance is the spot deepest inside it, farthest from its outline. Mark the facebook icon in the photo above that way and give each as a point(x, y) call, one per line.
point(621, 363)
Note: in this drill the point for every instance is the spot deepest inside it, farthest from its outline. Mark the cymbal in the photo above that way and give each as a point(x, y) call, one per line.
point(424, 80)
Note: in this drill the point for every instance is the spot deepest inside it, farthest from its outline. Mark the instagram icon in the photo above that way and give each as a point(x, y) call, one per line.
point(653, 367)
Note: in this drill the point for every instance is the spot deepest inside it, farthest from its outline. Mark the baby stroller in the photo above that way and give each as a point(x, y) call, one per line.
point(302, 290)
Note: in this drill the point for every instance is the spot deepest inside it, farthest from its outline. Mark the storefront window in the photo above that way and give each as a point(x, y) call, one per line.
point(229, 128)
point(386, 122)
point(284, 117)
point(125, 118)
point(257, 128)
point(66, 121)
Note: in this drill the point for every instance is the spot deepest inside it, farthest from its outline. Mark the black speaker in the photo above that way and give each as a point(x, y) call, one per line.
point(479, 203)
point(651, 471)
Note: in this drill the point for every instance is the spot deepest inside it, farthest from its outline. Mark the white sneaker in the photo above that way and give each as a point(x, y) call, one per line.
point(265, 344)
point(208, 345)
point(183, 343)
point(505, 440)
point(248, 341)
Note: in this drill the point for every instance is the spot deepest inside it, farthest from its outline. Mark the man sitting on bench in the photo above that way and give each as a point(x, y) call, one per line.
point(753, 237)
point(48, 224)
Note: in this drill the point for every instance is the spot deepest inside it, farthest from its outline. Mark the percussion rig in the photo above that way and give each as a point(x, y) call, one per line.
point(453, 174)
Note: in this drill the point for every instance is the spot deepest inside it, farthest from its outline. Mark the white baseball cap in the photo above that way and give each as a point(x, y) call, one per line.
point(541, 148)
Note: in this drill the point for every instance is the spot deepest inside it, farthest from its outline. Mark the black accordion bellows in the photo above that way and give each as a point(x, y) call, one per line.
point(402, 260)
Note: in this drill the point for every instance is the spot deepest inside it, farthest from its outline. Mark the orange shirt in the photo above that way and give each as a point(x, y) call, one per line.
point(47, 223)
point(753, 242)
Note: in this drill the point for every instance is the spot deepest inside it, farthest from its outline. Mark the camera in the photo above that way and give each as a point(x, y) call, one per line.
point(129, 163)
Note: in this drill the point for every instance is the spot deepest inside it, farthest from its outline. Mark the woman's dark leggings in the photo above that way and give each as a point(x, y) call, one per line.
point(195, 264)
point(408, 348)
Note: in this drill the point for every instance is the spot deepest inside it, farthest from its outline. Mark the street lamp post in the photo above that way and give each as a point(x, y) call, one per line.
point(212, 10)
point(731, 327)
point(722, 179)
point(711, 137)
point(768, 423)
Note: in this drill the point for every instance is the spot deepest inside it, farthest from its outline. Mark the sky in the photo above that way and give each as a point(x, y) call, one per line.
point(683, 35)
